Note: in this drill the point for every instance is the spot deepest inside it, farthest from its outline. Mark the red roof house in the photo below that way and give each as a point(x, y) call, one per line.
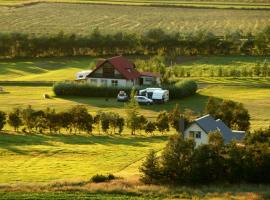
point(119, 71)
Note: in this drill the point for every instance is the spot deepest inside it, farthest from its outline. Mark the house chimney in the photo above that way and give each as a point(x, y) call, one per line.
point(181, 125)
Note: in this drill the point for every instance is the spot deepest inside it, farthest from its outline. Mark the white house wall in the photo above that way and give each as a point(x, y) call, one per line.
point(198, 141)
point(121, 82)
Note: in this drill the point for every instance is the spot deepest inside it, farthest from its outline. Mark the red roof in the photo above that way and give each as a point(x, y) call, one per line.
point(122, 65)
point(150, 74)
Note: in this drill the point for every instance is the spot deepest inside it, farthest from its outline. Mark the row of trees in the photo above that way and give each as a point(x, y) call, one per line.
point(258, 70)
point(181, 163)
point(151, 42)
point(77, 119)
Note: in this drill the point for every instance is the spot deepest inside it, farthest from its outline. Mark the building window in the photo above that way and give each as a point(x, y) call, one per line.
point(195, 134)
point(103, 82)
point(115, 83)
point(198, 134)
point(93, 81)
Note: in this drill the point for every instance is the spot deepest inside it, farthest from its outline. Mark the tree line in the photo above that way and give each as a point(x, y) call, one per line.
point(14, 45)
point(181, 163)
point(77, 119)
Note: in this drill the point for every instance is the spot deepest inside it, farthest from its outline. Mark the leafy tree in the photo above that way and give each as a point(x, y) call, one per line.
point(212, 107)
point(28, 118)
point(65, 120)
point(162, 122)
point(258, 136)
point(150, 169)
point(2, 119)
point(105, 122)
point(52, 120)
point(120, 124)
point(14, 119)
point(132, 113)
point(174, 117)
point(176, 160)
point(150, 127)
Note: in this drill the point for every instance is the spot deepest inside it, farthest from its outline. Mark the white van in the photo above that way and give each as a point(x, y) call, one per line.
point(158, 95)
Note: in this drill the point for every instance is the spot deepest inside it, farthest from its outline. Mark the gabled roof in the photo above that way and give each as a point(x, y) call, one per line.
point(122, 65)
point(209, 124)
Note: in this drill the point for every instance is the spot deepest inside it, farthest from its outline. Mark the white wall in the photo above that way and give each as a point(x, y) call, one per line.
point(195, 127)
point(121, 82)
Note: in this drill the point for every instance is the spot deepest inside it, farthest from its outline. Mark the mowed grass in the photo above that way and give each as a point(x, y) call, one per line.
point(44, 69)
point(255, 99)
point(51, 18)
point(59, 69)
point(40, 158)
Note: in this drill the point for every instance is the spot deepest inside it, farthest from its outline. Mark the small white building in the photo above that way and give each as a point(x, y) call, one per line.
point(119, 71)
point(201, 127)
point(82, 75)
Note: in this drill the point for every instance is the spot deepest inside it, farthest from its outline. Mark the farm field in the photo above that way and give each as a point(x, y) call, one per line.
point(239, 4)
point(43, 158)
point(51, 18)
point(59, 69)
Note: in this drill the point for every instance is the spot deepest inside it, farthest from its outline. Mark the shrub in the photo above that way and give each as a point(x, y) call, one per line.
point(99, 178)
point(179, 90)
point(2, 120)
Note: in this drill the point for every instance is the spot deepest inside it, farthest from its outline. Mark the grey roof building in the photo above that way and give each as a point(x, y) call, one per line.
point(209, 124)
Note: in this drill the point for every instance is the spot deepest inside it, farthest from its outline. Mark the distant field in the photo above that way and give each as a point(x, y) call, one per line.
point(51, 18)
point(238, 4)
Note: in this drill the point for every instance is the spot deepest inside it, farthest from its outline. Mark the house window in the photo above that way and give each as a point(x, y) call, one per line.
point(93, 81)
point(195, 134)
point(104, 82)
point(148, 79)
point(198, 134)
point(115, 83)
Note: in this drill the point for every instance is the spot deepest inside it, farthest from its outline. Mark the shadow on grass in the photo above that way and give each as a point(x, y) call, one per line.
point(12, 142)
point(195, 103)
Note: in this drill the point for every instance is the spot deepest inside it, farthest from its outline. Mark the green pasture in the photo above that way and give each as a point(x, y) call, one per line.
point(255, 99)
point(41, 158)
point(59, 69)
point(83, 18)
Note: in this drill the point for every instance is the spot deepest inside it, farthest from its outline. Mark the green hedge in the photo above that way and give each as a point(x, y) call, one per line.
point(179, 90)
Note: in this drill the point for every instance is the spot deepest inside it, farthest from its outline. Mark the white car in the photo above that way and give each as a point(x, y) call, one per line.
point(122, 96)
point(143, 100)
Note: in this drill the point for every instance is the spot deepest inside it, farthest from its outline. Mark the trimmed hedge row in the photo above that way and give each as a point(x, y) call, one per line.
point(179, 90)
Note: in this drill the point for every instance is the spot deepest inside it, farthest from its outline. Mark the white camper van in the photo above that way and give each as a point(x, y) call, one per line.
point(158, 95)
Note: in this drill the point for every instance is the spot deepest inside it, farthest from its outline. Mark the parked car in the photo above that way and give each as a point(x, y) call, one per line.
point(143, 100)
point(122, 96)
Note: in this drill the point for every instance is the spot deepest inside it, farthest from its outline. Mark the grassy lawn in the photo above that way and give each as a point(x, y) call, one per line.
point(39, 158)
point(255, 99)
point(59, 69)
point(44, 69)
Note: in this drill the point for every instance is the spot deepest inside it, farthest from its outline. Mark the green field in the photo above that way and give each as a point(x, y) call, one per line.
point(51, 18)
point(255, 99)
point(59, 69)
point(238, 4)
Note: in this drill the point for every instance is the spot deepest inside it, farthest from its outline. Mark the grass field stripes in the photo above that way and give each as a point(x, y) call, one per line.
point(162, 3)
point(51, 18)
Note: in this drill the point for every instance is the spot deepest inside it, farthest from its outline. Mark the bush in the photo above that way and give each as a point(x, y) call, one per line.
point(2, 120)
point(99, 178)
point(179, 90)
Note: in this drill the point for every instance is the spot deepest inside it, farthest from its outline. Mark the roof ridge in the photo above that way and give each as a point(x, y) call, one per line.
point(208, 115)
